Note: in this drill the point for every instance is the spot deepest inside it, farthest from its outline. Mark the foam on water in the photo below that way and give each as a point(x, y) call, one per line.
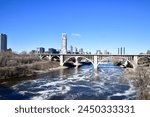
point(77, 84)
point(46, 94)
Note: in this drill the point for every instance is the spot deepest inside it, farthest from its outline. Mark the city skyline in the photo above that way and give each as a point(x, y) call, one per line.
point(90, 24)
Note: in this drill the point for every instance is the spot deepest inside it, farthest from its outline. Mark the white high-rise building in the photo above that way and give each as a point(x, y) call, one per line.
point(64, 44)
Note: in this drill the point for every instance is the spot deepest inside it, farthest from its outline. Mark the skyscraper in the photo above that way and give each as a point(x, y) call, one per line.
point(106, 52)
point(71, 49)
point(121, 50)
point(3, 42)
point(40, 50)
point(75, 50)
point(64, 44)
point(124, 51)
point(81, 51)
point(118, 51)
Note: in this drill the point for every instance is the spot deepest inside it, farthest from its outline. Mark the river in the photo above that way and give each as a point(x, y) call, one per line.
point(72, 84)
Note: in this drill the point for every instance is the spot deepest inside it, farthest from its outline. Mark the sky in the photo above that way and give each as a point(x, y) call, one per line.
point(89, 24)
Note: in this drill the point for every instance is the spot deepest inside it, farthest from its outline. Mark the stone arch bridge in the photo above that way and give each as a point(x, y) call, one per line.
point(93, 58)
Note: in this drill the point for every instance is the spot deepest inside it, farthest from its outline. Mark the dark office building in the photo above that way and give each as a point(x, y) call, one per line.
point(40, 50)
point(52, 51)
point(3, 42)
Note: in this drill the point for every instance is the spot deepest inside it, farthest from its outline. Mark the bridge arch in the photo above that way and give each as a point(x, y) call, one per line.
point(72, 57)
point(86, 59)
point(143, 60)
point(55, 58)
point(76, 59)
point(120, 59)
point(102, 60)
point(127, 62)
point(45, 57)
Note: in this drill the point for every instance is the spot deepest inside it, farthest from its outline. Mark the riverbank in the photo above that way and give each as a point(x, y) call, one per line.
point(140, 78)
point(27, 70)
point(49, 70)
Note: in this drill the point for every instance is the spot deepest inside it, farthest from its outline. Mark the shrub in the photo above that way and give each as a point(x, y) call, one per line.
point(142, 82)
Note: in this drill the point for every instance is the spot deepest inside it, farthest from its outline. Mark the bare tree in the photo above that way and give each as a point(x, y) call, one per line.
point(142, 82)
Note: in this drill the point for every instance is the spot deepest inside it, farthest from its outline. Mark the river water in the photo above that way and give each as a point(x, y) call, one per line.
point(72, 84)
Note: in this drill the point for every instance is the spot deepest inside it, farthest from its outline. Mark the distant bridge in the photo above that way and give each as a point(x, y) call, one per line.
point(93, 58)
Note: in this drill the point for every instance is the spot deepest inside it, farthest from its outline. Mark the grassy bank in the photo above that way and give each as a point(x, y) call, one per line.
point(26, 70)
point(22, 65)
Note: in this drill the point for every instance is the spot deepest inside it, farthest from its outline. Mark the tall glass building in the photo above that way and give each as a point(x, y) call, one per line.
point(3, 42)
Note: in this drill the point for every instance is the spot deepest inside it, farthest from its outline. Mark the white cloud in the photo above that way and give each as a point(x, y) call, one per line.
point(75, 34)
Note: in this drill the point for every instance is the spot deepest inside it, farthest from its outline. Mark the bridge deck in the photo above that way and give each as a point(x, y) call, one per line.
point(94, 54)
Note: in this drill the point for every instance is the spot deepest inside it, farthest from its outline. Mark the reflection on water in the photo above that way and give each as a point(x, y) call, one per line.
point(73, 83)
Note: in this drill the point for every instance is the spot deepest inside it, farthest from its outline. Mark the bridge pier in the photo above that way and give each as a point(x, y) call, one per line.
point(50, 57)
point(40, 57)
point(61, 60)
point(76, 62)
point(135, 60)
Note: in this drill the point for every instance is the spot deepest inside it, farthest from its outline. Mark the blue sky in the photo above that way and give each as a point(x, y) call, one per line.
point(89, 24)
